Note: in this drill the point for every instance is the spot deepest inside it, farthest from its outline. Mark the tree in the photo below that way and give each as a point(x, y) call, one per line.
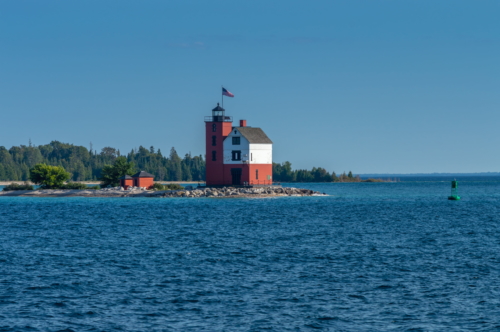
point(321, 175)
point(286, 172)
point(110, 175)
point(334, 177)
point(175, 166)
point(49, 177)
point(109, 152)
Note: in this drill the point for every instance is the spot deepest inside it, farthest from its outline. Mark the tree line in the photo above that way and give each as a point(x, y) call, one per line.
point(87, 164)
point(284, 173)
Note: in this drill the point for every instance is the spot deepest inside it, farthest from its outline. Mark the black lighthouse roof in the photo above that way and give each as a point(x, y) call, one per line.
point(218, 109)
point(218, 115)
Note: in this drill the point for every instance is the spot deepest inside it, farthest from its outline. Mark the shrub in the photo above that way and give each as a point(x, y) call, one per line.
point(373, 180)
point(74, 185)
point(170, 186)
point(49, 177)
point(97, 187)
point(158, 186)
point(15, 186)
point(173, 186)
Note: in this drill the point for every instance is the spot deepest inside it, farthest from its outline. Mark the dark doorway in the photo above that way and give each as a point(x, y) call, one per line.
point(236, 174)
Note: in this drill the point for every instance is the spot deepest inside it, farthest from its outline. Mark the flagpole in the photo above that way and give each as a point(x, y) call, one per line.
point(222, 92)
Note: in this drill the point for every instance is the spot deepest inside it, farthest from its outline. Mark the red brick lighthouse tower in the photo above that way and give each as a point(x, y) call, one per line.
point(236, 156)
point(217, 127)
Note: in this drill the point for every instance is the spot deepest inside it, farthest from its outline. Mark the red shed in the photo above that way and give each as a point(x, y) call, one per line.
point(143, 179)
point(126, 181)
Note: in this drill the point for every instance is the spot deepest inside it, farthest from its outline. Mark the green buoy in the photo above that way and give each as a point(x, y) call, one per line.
point(454, 191)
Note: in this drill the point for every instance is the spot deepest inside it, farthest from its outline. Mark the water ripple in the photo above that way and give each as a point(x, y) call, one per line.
point(369, 258)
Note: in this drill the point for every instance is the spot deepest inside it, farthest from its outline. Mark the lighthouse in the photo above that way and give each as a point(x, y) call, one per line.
point(236, 156)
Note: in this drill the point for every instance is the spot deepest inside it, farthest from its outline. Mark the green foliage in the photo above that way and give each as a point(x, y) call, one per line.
point(283, 173)
point(87, 165)
point(171, 186)
point(97, 187)
point(373, 180)
point(110, 175)
point(49, 177)
point(15, 186)
point(74, 185)
point(158, 186)
point(346, 178)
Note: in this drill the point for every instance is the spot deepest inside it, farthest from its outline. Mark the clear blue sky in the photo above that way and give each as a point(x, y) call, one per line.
point(368, 86)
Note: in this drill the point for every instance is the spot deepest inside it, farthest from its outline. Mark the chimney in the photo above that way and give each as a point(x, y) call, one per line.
point(243, 123)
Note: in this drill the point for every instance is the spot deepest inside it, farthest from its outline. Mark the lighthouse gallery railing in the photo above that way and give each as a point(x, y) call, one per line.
point(218, 118)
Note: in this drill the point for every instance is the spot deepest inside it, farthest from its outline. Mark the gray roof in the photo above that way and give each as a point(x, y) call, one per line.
point(254, 135)
point(125, 177)
point(142, 174)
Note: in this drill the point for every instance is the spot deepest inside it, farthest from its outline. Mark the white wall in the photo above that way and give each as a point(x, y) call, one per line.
point(261, 154)
point(258, 153)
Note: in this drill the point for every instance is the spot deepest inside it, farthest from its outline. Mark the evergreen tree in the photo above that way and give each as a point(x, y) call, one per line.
point(175, 166)
point(85, 164)
point(110, 175)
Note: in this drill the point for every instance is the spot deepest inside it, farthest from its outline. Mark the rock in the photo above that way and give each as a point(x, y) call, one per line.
point(232, 191)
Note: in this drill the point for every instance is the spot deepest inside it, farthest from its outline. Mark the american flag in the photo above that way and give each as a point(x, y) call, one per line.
point(226, 93)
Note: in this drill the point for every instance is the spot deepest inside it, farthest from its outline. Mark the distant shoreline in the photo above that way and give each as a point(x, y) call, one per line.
point(384, 175)
point(364, 178)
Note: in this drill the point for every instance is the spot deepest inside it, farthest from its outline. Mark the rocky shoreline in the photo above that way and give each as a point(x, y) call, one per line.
point(225, 192)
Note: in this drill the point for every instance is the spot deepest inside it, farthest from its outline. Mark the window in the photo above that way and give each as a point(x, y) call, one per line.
point(251, 156)
point(214, 155)
point(236, 155)
point(236, 140)
point(214, 127)
point(256, 174)
point(214, 140)
point(235, 132)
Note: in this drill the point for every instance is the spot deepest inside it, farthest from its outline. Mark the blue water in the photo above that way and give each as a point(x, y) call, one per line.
point(371, 257)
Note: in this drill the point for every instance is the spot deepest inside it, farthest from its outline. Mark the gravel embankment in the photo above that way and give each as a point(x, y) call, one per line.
point(226, 192)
